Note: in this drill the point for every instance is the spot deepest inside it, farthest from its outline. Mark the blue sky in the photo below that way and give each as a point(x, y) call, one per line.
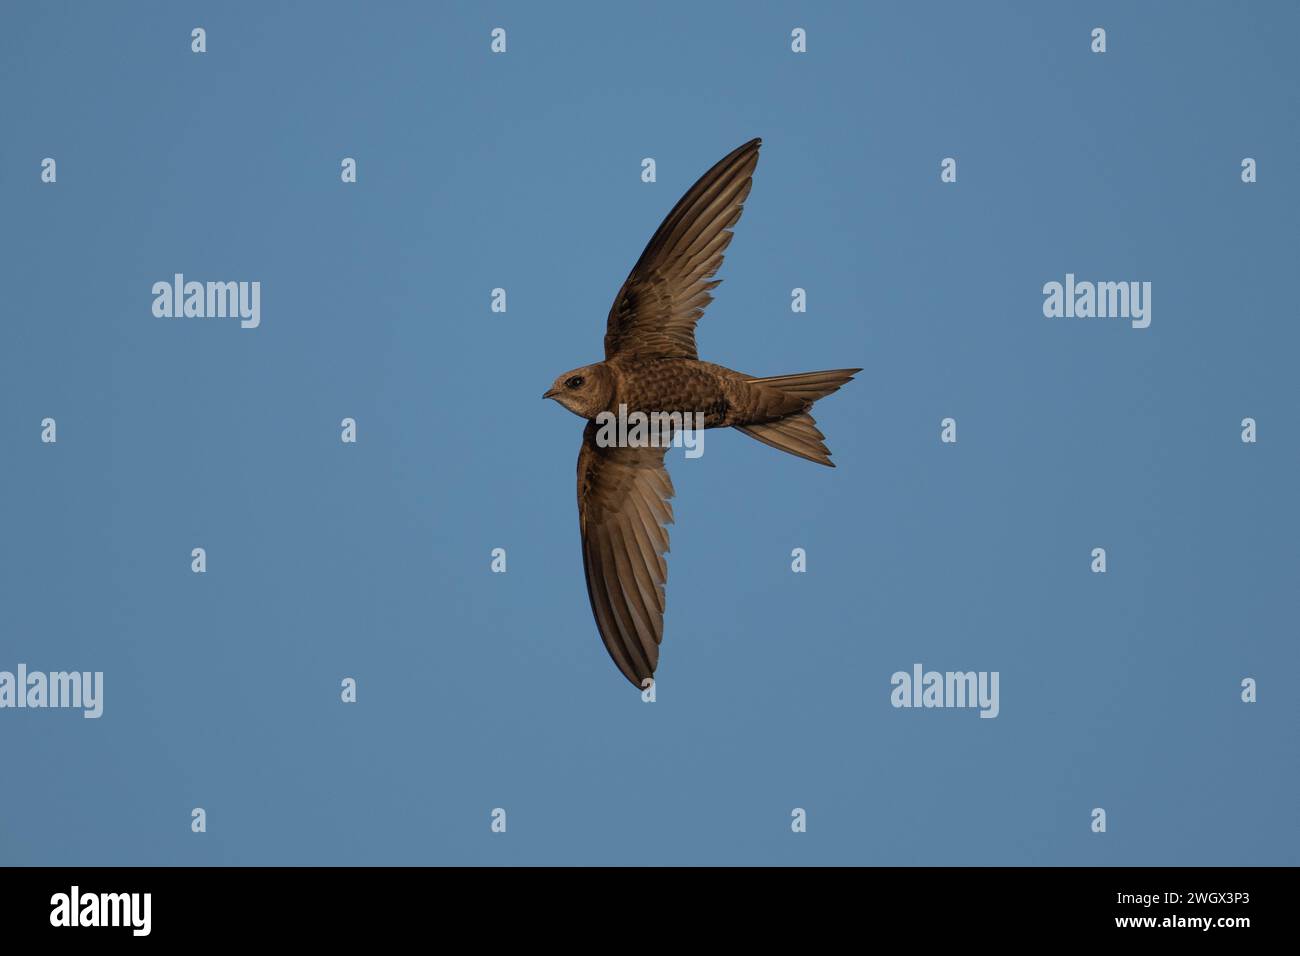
point(522, 171)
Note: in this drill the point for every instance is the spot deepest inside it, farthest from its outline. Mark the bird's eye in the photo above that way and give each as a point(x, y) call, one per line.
point(574, 381)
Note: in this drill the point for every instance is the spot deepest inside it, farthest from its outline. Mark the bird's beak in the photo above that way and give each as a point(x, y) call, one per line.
point(550, 393)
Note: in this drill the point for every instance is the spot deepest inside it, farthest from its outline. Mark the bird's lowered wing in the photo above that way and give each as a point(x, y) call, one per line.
point(655, 312)
point(623, 514)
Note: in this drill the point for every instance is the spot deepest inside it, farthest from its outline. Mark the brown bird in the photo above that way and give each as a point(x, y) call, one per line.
point(651, 366)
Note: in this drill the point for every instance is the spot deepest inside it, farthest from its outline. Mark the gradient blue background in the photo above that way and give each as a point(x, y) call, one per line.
point(479, 690)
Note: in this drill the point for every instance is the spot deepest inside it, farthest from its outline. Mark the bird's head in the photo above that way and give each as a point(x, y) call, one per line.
point(584, 391)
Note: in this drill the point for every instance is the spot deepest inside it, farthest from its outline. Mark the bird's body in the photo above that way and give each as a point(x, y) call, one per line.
point(651, 367)
point(722, 396)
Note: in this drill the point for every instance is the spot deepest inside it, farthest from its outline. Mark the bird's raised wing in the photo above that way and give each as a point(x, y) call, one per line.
point(623, 514)
point(655, 312)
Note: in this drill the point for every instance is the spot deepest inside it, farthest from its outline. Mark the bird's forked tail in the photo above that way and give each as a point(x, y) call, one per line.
point(796, 431)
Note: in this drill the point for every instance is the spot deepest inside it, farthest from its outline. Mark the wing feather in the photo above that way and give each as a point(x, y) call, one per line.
point(623, 514)
point(655, 312)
